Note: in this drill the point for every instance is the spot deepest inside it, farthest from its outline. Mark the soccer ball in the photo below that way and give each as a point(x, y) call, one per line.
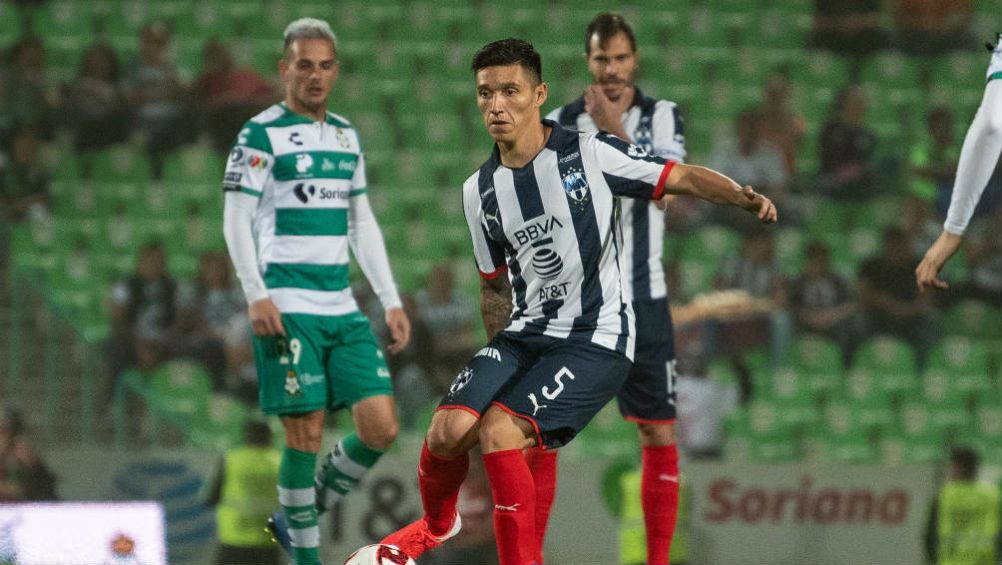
point(378, 554)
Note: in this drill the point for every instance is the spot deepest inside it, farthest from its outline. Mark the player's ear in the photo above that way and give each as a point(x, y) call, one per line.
point(542, 92)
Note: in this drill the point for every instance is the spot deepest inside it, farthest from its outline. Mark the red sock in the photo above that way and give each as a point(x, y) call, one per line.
point(439, 479)
point(543, 466)
point(659, 498)
point(514, 506)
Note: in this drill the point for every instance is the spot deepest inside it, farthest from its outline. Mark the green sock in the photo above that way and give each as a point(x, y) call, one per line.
point(298, 500)
point(342, 469)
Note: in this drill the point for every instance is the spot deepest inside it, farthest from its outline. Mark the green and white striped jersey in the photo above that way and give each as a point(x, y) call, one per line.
point(303, 173)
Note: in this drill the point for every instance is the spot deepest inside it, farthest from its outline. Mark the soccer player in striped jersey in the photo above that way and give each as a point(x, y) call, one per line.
point(541, 212)
point(614, 104)
point(978, 158)
point(295, 191)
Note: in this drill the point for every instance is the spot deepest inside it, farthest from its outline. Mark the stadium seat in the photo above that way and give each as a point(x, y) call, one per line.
point(890, 361)
point(948, 407)
point(121, 163)
point(965, 362)
point(870, 401)
point(843, 437)
point(608, 435)
point(975, 319)
point(794, 402)
point(819, 363)
point(180, 390)
point(222, 425)
point(195, 164)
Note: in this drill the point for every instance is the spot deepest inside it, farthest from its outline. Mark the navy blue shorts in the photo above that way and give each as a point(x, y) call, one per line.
point(648, 395)
point(556, 384)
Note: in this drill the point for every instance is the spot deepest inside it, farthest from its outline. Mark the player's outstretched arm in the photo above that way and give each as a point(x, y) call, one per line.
point(495, 304)
point(714, 187)
point(978, 158)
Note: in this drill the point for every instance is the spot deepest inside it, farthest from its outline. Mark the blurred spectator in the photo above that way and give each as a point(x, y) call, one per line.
point(919, 221)
point(450, 318)
point(704, 400)
point(157, 96)
point(143, 308)
point(225, 97)
point(750, 159)
point(890, 300)
point(243, 493)
point(849, 27)
point(965, 518)
point(931, 27)
point(94, 101)
point(984, 257)
point(25, 94)
point(207, 312)
point(23, 474)
point(780, 123)
point(24, 184)
point(475, 542)
point(847, 148)
point(933, 160)
point(755, 270)
point(823, 303)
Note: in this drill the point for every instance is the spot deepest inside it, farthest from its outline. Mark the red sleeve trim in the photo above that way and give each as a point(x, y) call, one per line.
point(659, 190)
point(493, 275)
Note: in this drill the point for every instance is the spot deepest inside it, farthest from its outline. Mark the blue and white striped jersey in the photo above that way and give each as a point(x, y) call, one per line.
point(552, 226)
point(656, 126)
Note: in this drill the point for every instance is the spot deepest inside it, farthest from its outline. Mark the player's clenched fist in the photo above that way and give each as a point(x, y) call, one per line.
point(265, 318)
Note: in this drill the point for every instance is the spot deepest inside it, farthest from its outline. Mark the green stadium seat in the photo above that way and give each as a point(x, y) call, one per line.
point(697, 276)
point(891, 361)
point(890, 69)
point(194, 164)
point(975, 319)
point(870, 401)
point(122, 163)
point(180, 391)
point(790, 243)
point(965, 362)
point(819, 362)
point(948, 407)
point(222, 425)
point(795, 403)
point(898, 450)
point(608, 435)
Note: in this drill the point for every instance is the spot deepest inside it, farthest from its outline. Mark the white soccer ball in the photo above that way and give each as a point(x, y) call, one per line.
point(378, 554)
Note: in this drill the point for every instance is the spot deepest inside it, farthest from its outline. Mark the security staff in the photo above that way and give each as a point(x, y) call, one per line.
point(965, 521)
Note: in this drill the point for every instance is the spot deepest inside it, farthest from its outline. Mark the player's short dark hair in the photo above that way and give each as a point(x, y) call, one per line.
point(607, 25)
point(257, 432)
point(510, 52)
point(966, 462)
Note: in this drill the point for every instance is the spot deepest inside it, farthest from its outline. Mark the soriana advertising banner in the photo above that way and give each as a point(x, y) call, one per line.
point(799, 515)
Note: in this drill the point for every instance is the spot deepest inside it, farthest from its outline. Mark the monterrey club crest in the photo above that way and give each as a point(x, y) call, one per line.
point(576, 186)
point(462, 379)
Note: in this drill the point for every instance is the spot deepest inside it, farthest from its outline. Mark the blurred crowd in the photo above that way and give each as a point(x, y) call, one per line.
point(145, 101)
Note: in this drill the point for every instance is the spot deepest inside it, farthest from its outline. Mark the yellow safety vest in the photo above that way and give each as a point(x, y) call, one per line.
point(633, 535)
point(968, 523)
point(248, 496)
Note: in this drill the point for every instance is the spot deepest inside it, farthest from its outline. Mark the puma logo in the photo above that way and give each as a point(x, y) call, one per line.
point(669, 478)
point(503, 508)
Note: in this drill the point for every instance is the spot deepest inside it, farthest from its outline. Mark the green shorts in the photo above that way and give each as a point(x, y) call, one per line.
point(323, 363)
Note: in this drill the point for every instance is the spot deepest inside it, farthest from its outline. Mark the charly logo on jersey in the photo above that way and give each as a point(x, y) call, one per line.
point(576, 186)
point(294, 138)
point(461, 380)
point(304, 162)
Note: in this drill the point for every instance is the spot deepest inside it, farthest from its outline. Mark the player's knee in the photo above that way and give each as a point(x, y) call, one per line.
point(452, 433)
point(380, 437)
point(655, 435)
point(500, 431)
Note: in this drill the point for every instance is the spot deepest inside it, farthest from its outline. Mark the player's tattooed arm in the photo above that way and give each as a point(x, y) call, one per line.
point(495, 304)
